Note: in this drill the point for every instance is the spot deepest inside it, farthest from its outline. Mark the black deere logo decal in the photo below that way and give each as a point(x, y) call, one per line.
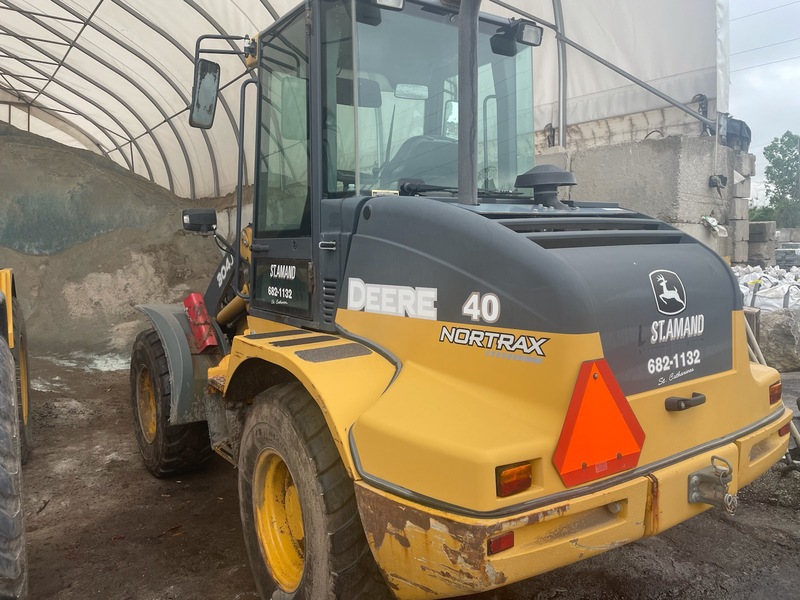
point(669, 293)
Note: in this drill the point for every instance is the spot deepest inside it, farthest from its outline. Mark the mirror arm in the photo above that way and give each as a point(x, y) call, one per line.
point(230, 38)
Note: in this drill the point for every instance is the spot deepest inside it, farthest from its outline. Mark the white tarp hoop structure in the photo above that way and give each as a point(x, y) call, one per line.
point(115, 76)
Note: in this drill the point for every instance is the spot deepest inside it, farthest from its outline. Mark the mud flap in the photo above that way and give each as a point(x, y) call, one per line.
point(188, 372)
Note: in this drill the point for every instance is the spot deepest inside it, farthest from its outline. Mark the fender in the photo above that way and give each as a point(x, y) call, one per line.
point(327, 365)
point(9, 291)
point(188, 370)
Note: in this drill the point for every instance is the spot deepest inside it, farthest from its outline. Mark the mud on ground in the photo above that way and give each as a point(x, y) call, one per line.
point(101, 528)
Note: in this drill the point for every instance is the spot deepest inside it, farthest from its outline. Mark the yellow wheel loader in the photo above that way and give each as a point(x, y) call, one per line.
point(15, 437)
point(434, 376)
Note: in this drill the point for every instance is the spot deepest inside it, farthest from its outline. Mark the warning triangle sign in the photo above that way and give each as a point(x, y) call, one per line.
point(600, 435)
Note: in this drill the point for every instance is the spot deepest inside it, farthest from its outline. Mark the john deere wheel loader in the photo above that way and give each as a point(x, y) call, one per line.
point(15, 439)
point(436, 378)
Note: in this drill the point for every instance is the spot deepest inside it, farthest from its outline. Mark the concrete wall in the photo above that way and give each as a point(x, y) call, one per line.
point(669, 179)
point(788, 234)
point(762, 243)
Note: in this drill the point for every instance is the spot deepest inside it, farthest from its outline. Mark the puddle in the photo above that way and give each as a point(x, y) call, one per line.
point(90, 362)
point(49, 385)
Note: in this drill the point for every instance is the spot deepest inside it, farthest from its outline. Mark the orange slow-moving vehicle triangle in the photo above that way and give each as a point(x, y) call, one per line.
point(600, 435)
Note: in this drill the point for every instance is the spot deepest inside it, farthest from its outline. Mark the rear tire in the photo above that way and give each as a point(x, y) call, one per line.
point(301, 524)
point(13, 561)
point(166, 449)
point(20, 354)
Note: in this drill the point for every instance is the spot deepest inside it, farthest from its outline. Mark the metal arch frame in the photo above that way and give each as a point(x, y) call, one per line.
point(105, 130)
point(70, 45)
point(181, 94)
point(130, 109)
point(163, 33)
point(42, 110)
point(82, 96)
point(54, 114)
point(119, 99)
point(270, 9)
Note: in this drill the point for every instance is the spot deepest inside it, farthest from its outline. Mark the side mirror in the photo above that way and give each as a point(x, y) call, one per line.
point(203, 220)
point(204, 94)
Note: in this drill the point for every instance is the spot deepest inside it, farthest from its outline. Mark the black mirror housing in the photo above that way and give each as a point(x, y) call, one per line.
point(202, 220)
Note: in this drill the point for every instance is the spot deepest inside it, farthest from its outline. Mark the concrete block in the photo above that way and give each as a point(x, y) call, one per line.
point(740, 252)
point(740, 209)
point(745, 164)
point(762, 231)
point(762, 253)
point(742, 189)
point(558, 157)
point(704, 235)
point(639, 175)
point(695, 197)
point(738, 230)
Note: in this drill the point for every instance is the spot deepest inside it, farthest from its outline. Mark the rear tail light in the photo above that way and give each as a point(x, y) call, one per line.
point(500, 543)
point(775, 392)
point(785, 429)
point(512, 479)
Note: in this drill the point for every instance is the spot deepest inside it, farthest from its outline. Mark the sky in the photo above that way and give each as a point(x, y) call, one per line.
point(765, 73)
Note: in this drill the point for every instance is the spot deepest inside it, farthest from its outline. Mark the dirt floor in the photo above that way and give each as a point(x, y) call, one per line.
point(100, 527)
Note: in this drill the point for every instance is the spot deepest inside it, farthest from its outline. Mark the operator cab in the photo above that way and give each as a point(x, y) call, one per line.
point(357, 99)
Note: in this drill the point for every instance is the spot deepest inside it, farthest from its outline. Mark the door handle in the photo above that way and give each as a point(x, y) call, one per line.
point(676, 403)
point(259, 247)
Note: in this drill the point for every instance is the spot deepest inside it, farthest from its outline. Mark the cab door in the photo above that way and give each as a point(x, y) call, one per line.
point(282, 276)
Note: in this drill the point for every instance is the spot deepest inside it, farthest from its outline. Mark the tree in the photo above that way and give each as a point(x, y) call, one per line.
point(783, 171)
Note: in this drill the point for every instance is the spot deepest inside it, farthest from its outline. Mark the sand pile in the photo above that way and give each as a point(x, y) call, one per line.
point(88, 241)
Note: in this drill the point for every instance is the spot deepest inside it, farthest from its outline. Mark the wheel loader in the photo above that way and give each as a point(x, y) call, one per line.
point(434, 376)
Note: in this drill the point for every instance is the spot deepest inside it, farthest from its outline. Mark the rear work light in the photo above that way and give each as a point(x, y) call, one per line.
point(512, 479)
point(775, 392)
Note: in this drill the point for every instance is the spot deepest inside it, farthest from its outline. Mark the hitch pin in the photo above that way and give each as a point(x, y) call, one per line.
point(710, 485)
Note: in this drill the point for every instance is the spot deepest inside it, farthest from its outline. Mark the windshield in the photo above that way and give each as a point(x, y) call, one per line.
point(390, 91)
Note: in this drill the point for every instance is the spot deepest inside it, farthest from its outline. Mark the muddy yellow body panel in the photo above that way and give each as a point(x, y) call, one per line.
point(423, 428)
point(343, 377)
point(428, 553)
point(7, 287)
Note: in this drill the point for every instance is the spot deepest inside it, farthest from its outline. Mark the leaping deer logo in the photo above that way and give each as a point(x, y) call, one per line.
point(668, 292)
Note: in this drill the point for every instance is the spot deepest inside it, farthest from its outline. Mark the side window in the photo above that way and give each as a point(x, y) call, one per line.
point(284, 199)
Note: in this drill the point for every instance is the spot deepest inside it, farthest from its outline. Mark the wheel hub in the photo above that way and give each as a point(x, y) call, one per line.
point(279, 520)
point(146, 404)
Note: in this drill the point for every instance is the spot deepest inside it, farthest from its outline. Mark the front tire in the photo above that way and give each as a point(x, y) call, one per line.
point(299, 516)
point(166, 449)
point(13, 561)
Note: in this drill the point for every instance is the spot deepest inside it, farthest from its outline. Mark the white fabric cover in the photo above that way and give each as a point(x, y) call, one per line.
point(120, 85)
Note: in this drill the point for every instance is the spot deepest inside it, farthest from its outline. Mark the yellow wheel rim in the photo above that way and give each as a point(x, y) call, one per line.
point(279, 520)
point(146, 404)
point(23, 379)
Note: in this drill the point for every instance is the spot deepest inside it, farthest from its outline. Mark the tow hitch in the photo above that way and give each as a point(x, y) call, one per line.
point(710, 485)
